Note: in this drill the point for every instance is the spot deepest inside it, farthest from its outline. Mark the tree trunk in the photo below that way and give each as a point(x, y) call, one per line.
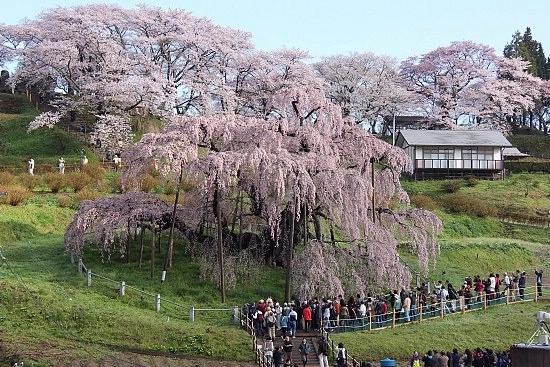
point(288, 279)
point(168, 259)
point(220, 244)
point(317, 226)
point(141, 248)
point(372, 161)
point(128, 244)
point(152, 246)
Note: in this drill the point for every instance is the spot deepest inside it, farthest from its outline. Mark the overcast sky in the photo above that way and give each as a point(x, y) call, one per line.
point(398, 28)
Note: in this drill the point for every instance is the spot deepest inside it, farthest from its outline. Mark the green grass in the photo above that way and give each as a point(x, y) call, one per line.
point(44, 145)
point(477, 256)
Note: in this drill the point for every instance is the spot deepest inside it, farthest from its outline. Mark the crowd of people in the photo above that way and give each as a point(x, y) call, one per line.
point(356, 312)
point(469, 358)
point(272, 319)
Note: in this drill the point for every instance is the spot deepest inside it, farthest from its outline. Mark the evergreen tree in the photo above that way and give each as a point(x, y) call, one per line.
point(530, 50)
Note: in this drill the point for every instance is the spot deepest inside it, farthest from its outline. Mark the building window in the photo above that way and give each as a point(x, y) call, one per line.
point(480, 154)
point(482, 158)
point(438, 157)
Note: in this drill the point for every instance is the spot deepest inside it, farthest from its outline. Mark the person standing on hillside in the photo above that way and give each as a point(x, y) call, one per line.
point(30, 166)
point(322, 352)
point(61, 165)
point(304, 348)
point(415, 360)
point(341, 355)
point(292, 320)
point(306, 314)
point(268, 351)
point(429, 360)
point(521, 285)
point(539, 282)
point(287, 348)
point(277, 357)
point(443, 360)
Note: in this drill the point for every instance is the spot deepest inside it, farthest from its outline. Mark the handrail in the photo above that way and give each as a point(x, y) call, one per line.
point(157, 297)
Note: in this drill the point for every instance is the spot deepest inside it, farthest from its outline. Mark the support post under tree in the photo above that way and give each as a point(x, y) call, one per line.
point(168, 259)
point(289, 254)
point(372, 161)
point(153, 234)
point(220, 242)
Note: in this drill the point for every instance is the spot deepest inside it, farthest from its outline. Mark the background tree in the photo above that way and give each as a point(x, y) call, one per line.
point(106, 60)
point(367, 87)
point(467, 83)
point(526, 48)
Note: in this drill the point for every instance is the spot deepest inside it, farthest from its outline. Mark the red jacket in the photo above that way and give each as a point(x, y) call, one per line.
point(306, 314)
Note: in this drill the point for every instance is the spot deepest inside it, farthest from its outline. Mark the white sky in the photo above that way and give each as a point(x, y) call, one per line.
point(398, 28)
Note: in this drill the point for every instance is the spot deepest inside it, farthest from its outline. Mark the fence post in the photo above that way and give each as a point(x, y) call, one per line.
point(420, 312)
point(122, 288)
point(393, 319)
point(236, 315)
point(89, 278)
point(484, 296)
point(157, 303)
point(370, 320)
point(80, 266)
point(192, 313)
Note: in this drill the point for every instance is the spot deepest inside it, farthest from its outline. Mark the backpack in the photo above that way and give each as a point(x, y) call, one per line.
point(292, 317)
point(260, 317)
point(416, 363)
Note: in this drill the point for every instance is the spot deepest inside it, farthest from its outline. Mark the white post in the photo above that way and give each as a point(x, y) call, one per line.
point(122, 287)
point(191, 313)
point(157, 303)
point(80, 266)
point(393, 131)
point(236, 315)
point(89, 278)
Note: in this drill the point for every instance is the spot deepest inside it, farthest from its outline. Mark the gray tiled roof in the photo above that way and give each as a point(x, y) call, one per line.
point(455, 138)
point(513, 152)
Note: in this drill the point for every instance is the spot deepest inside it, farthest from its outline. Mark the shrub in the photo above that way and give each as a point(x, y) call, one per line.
point(169, 187)
point(451, 186)
point(117, 183)
point(64, 201)
point(15, 195)
point(29, 182)
point(94, 170)
point(86, 195)
point(78, 181)
point(6, 178)
point(423, 201)
point(55, 181)
point(471, 181)
point(459, 203)
point(147, 183)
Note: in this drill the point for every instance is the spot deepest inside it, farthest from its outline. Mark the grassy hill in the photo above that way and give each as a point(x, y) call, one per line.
point(49, 317)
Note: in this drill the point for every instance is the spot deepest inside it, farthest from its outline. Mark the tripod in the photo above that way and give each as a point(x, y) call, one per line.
point(540, 334)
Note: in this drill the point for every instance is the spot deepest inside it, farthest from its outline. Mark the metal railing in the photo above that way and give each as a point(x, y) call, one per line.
point(460, 164)
point(158, 299)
